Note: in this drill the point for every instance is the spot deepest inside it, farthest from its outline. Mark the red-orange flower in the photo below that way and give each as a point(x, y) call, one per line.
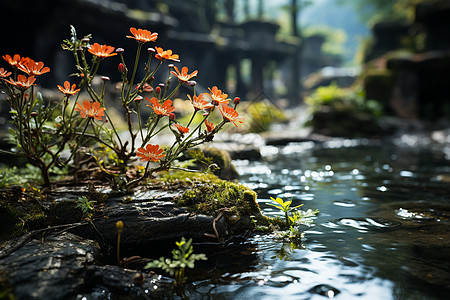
point(181, 129)
point(90, 109)
point(4, 73)
point(163, 110)
point(142, 35)
point(199, 103)
point(230, 115)
point(101, 51)
point(146, 88)
point(218, 96)
point(16, 60)
point(31, 67)
point(183, 75)
point(151, 152)
point(162, 55)
point(67, 89)
point(22, 81)
point(209, 125)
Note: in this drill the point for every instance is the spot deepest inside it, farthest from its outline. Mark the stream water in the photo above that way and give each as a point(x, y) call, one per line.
point(382, 231)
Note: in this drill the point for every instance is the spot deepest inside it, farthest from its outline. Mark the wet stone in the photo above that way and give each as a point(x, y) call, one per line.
point(49, 267)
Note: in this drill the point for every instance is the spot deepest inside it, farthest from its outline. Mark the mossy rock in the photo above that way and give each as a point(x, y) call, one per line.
point(222, 158)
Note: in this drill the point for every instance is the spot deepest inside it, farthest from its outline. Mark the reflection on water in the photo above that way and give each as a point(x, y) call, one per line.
point(382, 231)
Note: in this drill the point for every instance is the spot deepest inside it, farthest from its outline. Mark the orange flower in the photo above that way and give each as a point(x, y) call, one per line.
point(183, 75)
point(162, 55)
point(4, 73)
point(209, 126)
point(230, 115)
point(67, 89)
point(218, 96)
point(22, 81)
point(181, 129)
point(199, 103)
point(142, 36)
point(151, 152)
point(31, 67)
point(163, 110)
point(90, 110)
point(101, 51)
point(146, 88)
point(15, 61)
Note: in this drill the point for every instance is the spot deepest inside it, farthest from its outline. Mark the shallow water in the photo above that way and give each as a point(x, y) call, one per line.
point(382, 231)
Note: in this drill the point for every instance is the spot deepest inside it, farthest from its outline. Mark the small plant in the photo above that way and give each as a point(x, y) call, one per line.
point(42, 129)
point(340, 99)
point(85, 205)
point(293, 218)
point(284, 206)
point(182, 257)
point(9, 177)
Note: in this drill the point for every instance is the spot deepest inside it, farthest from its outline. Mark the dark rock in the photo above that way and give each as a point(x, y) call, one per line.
point(435, 18)
point(223, 160)
point(49, 267)
point(345, 123)
point(120, 281)
point(421, 85)
point(387, 36)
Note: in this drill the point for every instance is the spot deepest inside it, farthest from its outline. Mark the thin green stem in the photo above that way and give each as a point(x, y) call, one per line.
point(133, 74)
point(174, 91)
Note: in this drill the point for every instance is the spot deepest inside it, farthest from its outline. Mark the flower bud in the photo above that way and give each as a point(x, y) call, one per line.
point(151, 50)
point(158, 90)
point(138, 98)
point(105, 78)
point(191, 83)
point(120, 50)
point(34, 114)
point(237, 100)
point(121, 68)
point(119, 225)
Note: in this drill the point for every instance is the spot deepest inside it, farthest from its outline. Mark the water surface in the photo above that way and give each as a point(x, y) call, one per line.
point(382, 231)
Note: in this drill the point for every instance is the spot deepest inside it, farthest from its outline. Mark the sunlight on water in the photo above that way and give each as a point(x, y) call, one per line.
point(360, 246)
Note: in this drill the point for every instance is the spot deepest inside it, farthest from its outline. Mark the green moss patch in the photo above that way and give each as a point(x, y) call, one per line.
point(207, 194)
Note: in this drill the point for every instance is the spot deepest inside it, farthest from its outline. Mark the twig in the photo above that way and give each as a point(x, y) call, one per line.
point(28, 236)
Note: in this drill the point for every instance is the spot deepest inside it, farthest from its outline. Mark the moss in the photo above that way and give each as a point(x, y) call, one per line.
point(261, 115)
point(19, 218)
point(207, 194)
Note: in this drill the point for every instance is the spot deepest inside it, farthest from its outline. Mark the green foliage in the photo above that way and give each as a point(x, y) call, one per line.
point(374, 11)
point(261, 115)
point(340, 99)
point(85, 205)
point(335, 38)
point(293, 218)
point(285, 206)
point(9, 177)
point(182, 258)
point(208, 194)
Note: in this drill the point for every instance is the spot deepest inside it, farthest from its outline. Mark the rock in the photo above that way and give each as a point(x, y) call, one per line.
point(120, 281)
point(345, 123)
point(40, 265)
point(223, 160)
point(49, 267)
